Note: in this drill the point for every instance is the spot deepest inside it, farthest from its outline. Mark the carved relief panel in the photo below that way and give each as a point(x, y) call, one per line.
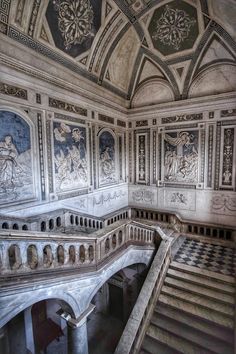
point(183, 156)
point(142, 157)
point(17, 162)
point(70, 155)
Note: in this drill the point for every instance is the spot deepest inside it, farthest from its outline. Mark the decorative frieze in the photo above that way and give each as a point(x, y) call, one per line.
point(41, 160)
point(143, 196)
point(4, 15)
point(228, 149)
point(121, 123)
point(65, 106)
point(228, 113)
point(142, 123)
point(182, 118)
point(14, 91)
point(107, 198)
point(105, 118)
point(223, 204)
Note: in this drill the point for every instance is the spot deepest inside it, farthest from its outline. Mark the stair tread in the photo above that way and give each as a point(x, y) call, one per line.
point(200, 289)
point(197, 310)
point(180, 344)
point(197, 279)
point(203, 272)
point(195, 322)
point(191, 334)
point(214, 305)
point(152, 346)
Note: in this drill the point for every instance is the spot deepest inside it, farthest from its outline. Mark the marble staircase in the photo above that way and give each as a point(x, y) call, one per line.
point(194, 313)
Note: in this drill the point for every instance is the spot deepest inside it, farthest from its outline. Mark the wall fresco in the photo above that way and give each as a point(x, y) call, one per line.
point(181, 156)
point(107, 161)
point(70, 156)
point(16, 180)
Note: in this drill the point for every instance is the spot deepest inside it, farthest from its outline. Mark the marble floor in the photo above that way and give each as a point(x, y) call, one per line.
point(214, 258)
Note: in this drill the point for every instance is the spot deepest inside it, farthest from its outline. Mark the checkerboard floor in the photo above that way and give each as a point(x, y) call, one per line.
point(214, 258)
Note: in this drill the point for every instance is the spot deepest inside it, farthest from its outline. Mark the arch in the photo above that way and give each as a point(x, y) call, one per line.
point(24, 227)
point(91, 253)
point(47, 256)
point(43, 226)
point(66, 300)
point(58, 221)
point(218, 78)
point(124, 261)
point(72, 254)
point(5, 226)
point(15, 226)
point(107, 245)
point(14, 257)
point(82, 254)
point(32, 257)
point(51, 224)
point(114, 241)
point(120, 237)
point(60, 255)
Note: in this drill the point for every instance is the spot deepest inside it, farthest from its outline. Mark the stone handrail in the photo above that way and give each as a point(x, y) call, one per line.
point(24, 252)
point(135, 328)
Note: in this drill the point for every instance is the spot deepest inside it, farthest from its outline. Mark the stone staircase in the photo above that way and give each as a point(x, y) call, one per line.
point(193, 315)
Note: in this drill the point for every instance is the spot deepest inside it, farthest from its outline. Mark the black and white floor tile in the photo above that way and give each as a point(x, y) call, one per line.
point(214, 258)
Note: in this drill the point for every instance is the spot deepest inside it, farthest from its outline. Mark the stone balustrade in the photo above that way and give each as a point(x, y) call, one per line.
point(34, 251)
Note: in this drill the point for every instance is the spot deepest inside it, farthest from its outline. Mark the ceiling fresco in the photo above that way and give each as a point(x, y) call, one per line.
point(129, 46)
point(74, 24)
point(174, 27)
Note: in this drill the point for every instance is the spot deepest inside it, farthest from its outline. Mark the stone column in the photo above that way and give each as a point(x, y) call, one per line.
point(77, 331)
point(29, 334)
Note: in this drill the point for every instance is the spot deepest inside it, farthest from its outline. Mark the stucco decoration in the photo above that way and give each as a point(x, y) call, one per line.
point(215, 80)
point(180, 199)
point(223, 204)
point(107, 158)
point(174, 27)
point(70, 156)
point(152, 92)
point(74, 24)
point(181, 156)
point(123, 59)
point(16, 164)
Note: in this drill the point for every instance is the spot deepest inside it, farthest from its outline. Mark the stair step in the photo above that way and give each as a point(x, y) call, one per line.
point(203, 273)
point(197, 310)
point(180, 344)
point(191, 334)
point(194, 299)
point(152, 346)
point(197, 279)
point(199, 289)
point(196, 323)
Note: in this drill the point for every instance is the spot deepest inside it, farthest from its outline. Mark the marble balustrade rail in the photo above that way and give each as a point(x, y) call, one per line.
point(134, 331)
point(24, 252)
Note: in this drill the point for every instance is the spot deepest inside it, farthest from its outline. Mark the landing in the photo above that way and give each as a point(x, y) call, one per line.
point(214, 258)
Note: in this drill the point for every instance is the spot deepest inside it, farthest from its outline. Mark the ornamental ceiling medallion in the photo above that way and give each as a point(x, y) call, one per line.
point(174, 27)
point(74, 24)
point(75, 19)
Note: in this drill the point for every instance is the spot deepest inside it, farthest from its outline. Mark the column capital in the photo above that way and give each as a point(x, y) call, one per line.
point(76, 322)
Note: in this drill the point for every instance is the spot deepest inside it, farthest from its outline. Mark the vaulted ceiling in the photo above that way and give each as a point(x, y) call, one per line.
point(147, 51)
